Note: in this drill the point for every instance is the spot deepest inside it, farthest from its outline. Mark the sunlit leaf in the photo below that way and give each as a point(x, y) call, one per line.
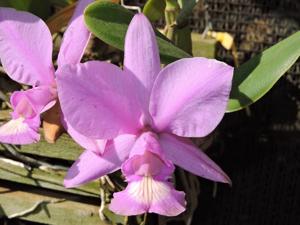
point(256, 77)
point(109, 22)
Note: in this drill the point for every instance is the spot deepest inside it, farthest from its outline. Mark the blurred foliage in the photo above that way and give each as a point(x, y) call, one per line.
point(41, 8)
point(154, 9)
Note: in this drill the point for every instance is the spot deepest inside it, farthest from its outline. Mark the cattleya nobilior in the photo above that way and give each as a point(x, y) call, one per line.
point(147, 115)
point(26, 56)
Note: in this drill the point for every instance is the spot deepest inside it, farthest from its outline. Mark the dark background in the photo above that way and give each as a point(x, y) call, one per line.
point(260, 152)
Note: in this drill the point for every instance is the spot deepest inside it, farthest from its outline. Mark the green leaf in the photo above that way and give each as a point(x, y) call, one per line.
point(154, 9)
point(109, 22)
point(114, 218)
point(41, 8)
point(186, 11)
point(61, 3)
point(256, 77)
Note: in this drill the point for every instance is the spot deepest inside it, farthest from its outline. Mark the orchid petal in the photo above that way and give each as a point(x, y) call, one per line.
point(123, 204)
point(190, 96)
point(141, 56)
point(98, 99)
point(91, 166)
point(20, 131)
point(184, 154)
point(148, 195)
point(75, 38)
point(25, 47)
point(96, 145)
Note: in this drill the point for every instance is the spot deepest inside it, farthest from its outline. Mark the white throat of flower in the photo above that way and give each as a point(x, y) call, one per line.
point(147, 190)
point(14, 126)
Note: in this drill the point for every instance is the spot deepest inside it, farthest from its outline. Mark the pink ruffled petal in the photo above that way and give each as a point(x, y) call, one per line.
point(27, 105)
point(98, 99)
point(76, 37)
point(25, 47)
point(148, 195)
point(20, 131)
point(33, 101)
point(123, 204)
point(184, 154)
point(91, 166)
point(141, 55)
point(172, 205)
point(190, 96)
point(96, 145)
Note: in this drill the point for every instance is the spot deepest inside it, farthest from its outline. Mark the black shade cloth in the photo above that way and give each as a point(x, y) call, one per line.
point(261, 152)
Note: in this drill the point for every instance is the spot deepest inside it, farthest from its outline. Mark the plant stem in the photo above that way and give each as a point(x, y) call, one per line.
point(181, 37)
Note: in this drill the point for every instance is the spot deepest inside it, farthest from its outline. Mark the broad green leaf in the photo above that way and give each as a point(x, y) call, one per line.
point(255, 78)
point(41, 8)
point(109, 22)
point(154, 9)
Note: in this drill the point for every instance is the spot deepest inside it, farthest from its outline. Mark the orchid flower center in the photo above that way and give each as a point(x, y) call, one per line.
point(146, 123)
point(146, 128)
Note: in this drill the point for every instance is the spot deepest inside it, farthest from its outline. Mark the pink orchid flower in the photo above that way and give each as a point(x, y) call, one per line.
point(26, 56)
point(147, 114)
